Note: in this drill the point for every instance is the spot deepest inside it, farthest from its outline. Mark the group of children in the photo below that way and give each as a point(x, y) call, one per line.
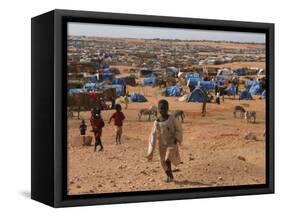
point(166, 131)
point(97, 124)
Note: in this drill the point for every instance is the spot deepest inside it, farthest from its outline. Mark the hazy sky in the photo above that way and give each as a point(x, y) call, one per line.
point(124, 31)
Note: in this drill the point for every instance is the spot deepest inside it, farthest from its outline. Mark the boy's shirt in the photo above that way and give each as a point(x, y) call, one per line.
point(83, 128)
point(97, 123)
point(118, 118)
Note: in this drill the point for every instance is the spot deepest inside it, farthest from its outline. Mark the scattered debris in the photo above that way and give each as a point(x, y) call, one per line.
point(250, 136)
point(241, 158)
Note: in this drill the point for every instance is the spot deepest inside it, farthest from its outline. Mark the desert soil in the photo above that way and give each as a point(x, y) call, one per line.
point(214, 151)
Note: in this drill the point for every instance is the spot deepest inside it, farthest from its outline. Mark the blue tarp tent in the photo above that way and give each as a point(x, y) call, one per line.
point(172, 70)
point(241, 72)
point(105, 66)
point(151, 81)
point(75, 91)
point(193, 81)
point(245, 95)
point(121, 81)
point(198, 95)
point(255, 89)
point(231, 90)
point(220, 79)
point(90, 86)
point(173, 91)
point(207, 85)
point(137, 97)
point(251, 83)
point(192, 75)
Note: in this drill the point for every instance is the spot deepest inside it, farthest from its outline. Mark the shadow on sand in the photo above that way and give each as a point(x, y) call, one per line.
point(187, 182)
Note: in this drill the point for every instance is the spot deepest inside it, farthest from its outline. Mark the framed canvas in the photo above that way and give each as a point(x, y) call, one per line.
point(134, 108)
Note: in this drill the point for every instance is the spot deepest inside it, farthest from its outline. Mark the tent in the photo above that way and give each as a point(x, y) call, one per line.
point(198, 95)
point(231, 90)
point(255, 89)
point(245, 95)
point(173, 91)
point(75, 91)
point(251, 83)
point(193, 81)
point(121, 81)
point(241, 72)
point(172, 70)
point(207, 85)
point(90, 86)
point(105, 66)
point(151, 81)
point(137, 97)
point(192, 75)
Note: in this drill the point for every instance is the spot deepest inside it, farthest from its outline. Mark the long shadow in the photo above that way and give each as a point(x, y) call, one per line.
point(187, 182)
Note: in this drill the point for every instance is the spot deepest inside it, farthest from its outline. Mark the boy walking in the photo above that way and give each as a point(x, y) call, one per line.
point(168, 131)
point(97, 125)
point(118, 118)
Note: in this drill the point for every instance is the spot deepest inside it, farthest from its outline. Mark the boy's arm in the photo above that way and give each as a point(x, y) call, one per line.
point(178, 131)
point(110, 119)
point(152, 141)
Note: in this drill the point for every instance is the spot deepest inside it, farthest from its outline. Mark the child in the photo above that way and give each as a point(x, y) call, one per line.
point(97, 125)
point(83, 128)
point(118, 117)
point(167, 130)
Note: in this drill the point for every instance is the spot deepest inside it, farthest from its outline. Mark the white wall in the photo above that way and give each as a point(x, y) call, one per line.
point(15, 106)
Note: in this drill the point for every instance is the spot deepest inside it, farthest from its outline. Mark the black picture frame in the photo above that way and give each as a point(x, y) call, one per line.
point(48, 70)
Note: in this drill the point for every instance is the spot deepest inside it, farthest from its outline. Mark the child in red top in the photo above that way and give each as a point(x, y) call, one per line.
point(118, 117)
point(97, 125)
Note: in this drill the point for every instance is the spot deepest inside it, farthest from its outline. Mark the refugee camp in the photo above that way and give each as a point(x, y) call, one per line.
point(156, 109)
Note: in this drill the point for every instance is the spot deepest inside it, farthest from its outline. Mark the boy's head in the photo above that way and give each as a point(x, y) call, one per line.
point(163, 107)
point(118, 107)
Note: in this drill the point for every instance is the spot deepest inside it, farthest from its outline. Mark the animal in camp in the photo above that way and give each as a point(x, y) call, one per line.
point(149, 112)
point(239, 109)
point(249, 116)
point(178, 114)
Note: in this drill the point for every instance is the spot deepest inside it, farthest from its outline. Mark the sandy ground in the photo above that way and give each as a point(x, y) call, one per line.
point(214, 151)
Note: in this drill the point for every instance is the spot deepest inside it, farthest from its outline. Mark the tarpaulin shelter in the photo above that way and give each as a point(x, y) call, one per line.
point(255, 89)
point(137, 97)
point(208, 85)
point(151, 81)
point(173, 91)
point(172, 70)
point(198, 95)
point(245, 95)
point(90, 86)
point(121, 81)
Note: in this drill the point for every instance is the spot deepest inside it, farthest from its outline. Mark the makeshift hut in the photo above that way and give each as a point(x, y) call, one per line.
point(198, 95)
point(120, 81)
point(173, 91)
point(207, 85)
point(151, 81)
point(245, 95)
point(137, 97)
point(255, 89)
point(172, 70)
